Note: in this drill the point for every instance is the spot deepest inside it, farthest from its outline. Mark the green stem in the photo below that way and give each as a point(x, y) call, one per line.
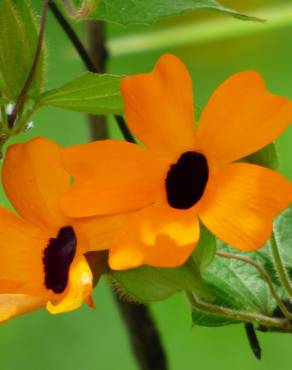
point(238, 315)
point(4, 122)
point(265, 276)
point(282, 273)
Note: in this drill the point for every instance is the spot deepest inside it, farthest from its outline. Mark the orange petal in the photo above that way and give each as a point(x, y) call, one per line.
point(159, 107)
point(157, 235)
point(78, 289)
point(95, 233)
point(34, 180)
point(111, 177)
point(240, 203)
point(21, 253)
point(12, 305)
point(241, 118)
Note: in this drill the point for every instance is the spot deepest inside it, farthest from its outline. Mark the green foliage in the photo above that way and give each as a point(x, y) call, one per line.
point(283, 235)
point(149, 284)
point(205, 249)
point(235, 284)
point(150, 11)
point(89, 93)
point(266, 157)
point(18, 39)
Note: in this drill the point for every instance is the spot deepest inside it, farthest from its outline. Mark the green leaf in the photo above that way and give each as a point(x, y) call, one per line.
point(283, 235)
point(150, 11)
point(205, 249)
point(149, 284)
point(237, 285)
point(89, 93)
point(18, 39)
point(266, 157)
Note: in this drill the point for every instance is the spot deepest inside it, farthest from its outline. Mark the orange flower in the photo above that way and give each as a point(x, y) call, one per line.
point(41, 252)
point(185, 174)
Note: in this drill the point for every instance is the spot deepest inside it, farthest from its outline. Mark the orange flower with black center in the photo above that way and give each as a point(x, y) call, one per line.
point(184, 173)
point(42, 250)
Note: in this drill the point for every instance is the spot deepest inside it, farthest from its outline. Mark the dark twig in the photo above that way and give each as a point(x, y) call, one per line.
point(22, 96)
point(89, 64)
point(96, 51)
point(125, 130)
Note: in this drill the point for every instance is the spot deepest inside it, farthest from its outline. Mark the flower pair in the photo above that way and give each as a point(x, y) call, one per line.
point(142, 203)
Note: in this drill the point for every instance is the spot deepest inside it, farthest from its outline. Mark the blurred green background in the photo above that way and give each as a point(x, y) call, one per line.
point(97, 340)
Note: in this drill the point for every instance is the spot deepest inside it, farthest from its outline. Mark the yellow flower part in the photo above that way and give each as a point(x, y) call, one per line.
point(41, 251)
point(183, 174)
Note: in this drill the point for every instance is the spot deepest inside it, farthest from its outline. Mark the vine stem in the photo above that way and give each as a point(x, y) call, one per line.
point(265, 276)
point(238, 315)
point(21, 99)
point(89, 64)
point(280, 266)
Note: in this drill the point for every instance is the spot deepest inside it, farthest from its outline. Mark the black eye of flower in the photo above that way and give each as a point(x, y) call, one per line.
point(186, 180)
point(57, 259)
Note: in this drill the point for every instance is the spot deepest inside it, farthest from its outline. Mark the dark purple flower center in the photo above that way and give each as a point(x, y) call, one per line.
point(186, 180)
point(57, 259)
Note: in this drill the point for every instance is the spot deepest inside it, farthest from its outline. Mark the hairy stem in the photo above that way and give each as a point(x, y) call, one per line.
point(282, 273)
point(265, 276)
point(21, 99)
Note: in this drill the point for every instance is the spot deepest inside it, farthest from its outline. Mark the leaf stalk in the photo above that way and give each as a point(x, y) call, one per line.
point(238, 315)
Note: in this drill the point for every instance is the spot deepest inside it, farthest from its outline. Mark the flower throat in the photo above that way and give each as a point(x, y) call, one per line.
point(57, 259)
point(186, 180)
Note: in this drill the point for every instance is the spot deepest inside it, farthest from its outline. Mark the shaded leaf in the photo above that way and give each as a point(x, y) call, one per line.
point(283, 235)
point(18, 39)
point(149, 284)
point(266, 157)
point(205, 249)
point(237, 285)
point(147, 12)
point(89, 93)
